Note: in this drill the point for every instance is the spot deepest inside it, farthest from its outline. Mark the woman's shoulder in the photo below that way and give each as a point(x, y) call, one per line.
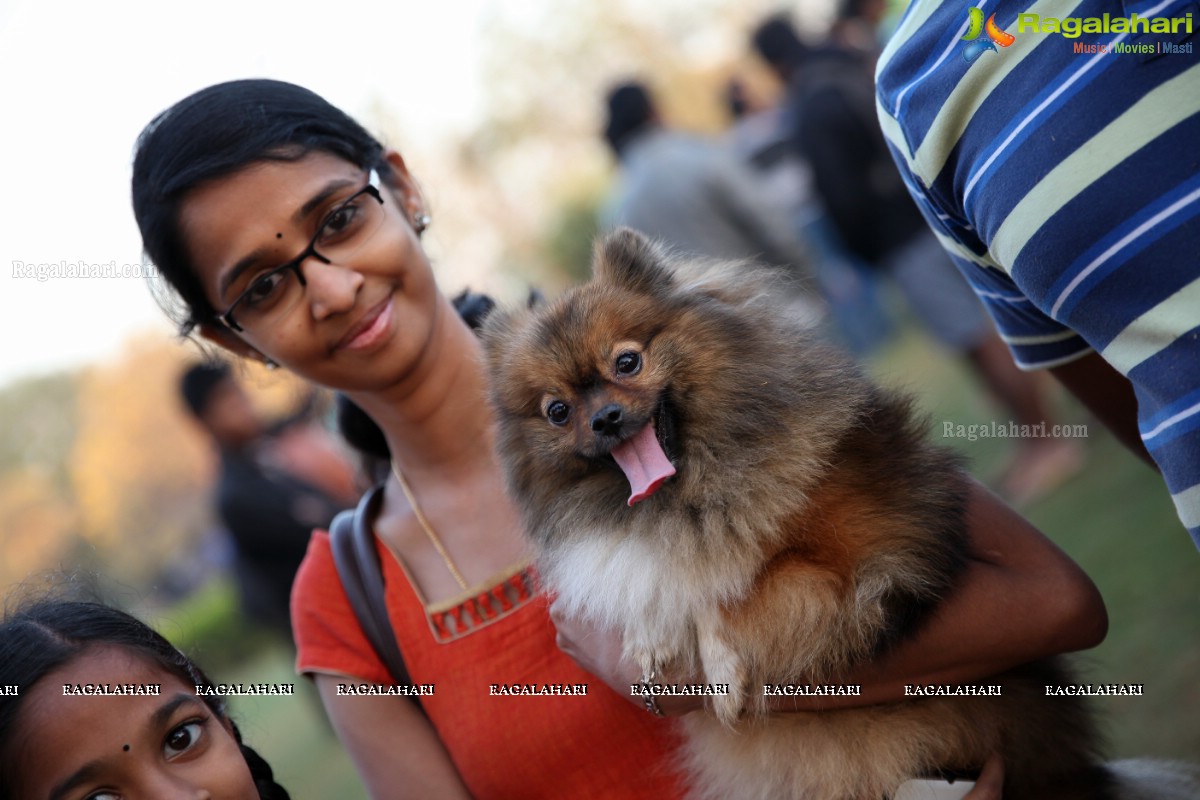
point(317, 574)
point(329, 638)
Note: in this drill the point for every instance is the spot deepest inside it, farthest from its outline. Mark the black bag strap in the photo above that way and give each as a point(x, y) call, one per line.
point(352, 540)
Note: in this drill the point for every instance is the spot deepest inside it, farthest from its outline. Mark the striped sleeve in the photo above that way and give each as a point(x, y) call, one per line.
point(1062, 173)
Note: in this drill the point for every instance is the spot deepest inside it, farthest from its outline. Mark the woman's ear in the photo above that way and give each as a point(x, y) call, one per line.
point(404, 187)
point(227, 340)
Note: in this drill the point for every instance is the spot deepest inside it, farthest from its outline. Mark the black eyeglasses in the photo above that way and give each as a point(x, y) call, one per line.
point(347, 227)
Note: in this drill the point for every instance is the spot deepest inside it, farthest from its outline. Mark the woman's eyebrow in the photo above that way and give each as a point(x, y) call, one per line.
point(88, 771)
point(314, 202)
point(320, 197)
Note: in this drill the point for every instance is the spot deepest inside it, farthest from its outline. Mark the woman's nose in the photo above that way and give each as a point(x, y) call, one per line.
point(332, 288)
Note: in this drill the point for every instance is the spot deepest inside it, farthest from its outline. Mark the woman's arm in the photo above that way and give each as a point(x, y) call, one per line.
point(1020, 599)
point(396, 750)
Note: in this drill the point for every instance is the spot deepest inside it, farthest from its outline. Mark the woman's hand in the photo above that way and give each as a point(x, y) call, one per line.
point(598, 651)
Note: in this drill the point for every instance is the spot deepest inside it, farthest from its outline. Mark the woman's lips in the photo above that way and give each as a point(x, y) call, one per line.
point(370, 330)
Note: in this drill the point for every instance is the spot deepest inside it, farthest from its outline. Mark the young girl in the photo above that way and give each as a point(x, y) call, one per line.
point(61, 738)
point(292, 236)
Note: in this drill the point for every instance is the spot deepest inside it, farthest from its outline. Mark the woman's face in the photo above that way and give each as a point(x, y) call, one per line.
point(132, 747)
point(359, 323)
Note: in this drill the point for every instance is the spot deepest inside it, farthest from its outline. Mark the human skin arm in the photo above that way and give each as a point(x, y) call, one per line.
point(396, 751)
point(1020, 599)
point(1109, 395)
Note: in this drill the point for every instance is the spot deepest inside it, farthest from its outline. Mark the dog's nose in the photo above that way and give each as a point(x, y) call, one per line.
point(607, 420)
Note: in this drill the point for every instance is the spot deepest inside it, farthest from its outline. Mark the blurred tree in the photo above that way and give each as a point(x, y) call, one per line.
point(38, 426)
point(139, 474)
point(36, 524)
point(568, 238)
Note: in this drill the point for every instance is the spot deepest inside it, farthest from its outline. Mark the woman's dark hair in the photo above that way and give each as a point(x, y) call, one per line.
point(214, 133)
point(50, 634)
point(361, 432)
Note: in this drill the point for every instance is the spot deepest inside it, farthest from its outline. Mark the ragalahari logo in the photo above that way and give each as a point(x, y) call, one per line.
point(975, 47)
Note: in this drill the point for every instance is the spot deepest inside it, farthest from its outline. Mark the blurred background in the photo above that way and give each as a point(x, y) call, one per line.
point(497, 108)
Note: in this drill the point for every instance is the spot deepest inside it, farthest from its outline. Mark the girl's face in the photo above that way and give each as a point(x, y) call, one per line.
point(356, 325)
point(131, 747)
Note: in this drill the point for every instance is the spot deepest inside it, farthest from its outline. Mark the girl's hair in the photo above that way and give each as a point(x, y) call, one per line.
point(49, 634)
point(217, 132)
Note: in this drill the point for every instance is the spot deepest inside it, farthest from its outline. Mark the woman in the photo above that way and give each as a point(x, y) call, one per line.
point(293, 237)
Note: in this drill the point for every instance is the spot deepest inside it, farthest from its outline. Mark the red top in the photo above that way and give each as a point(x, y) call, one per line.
point(593, 746)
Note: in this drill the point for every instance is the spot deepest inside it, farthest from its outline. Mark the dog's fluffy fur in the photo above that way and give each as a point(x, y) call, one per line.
point(808, 529)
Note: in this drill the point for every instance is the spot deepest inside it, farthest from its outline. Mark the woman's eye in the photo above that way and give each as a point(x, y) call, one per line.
point(265, 288)
point(340, 223)
point(182, 738)
point(104, 795)
point(628, 363)
point(558, 412)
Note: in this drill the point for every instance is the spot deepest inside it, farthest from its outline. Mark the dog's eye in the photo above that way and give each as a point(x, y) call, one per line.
point(629, 363)
point(558, 412)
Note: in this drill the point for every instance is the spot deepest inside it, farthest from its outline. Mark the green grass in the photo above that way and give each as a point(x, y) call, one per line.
point(291, 732)
point(1116, 520)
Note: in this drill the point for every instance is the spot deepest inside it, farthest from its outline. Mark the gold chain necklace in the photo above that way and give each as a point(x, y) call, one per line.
point(425, 526)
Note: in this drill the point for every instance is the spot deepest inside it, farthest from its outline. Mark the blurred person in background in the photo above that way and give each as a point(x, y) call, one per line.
point(276, 484)
point(696, 195)
point(856, 28)
point(832, 124)
point(858, 319)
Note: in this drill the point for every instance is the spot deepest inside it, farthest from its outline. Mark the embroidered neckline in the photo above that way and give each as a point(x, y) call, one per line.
point(488, 601)
point(455, 619)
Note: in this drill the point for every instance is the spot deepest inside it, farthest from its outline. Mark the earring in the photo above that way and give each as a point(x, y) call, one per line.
point(270, 363)
point(421, 222)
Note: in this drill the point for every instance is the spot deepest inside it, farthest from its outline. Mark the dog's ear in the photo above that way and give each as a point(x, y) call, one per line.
point(628, 259)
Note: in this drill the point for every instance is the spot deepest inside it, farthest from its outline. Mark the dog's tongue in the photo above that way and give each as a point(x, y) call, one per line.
point(644, 463)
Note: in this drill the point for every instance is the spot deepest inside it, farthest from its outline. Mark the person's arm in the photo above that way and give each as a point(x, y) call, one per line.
point(397, 752)
point(1109, 395)
point(1020, 599)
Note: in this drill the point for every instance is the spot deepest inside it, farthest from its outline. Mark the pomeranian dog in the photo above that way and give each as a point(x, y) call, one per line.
point(744, 506)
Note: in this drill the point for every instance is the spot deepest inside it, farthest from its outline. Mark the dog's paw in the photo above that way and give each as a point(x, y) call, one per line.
point(729, 707)
point(724, 669)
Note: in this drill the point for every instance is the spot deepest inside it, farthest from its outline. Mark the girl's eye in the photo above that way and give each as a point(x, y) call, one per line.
point(629, 363)
point(558, 412)
point(263, 289)
point(183, 738)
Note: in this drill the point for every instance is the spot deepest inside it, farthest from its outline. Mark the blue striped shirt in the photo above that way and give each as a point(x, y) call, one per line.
point(1062, 174)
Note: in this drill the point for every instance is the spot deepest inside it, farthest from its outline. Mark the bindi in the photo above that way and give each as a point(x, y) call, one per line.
point(279, 236)
point(125, 748)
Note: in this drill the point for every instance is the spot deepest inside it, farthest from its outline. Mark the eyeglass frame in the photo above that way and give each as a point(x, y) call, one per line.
point(372, 188)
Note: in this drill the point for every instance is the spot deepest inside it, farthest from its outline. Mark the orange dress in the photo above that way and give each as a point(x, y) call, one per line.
point(523, 746)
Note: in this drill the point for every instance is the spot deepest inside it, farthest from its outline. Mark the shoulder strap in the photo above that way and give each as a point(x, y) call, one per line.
point(352, 540)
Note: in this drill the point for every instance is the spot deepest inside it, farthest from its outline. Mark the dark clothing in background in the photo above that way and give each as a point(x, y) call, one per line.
point(270, 516)
point(831, 105)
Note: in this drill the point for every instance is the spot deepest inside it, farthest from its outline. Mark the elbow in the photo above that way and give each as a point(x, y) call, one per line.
point(1080, 614)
